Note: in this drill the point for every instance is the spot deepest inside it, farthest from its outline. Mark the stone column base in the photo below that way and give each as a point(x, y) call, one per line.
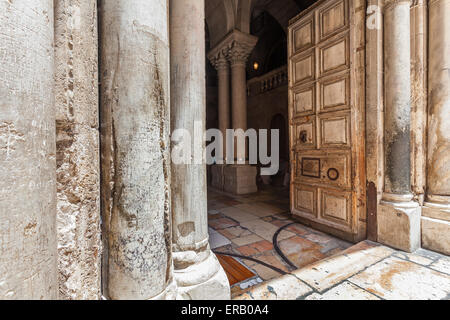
point(399, 224)
point(217, 176)
point(203, 281)
point(240, 179)
point(436, 227)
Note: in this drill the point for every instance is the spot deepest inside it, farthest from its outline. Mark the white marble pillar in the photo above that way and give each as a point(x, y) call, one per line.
point(436, 211)
point(28, 248)
point(136, 191)
point(399, 215)
point(239, 178)
point(220, 62)
point(198, 274)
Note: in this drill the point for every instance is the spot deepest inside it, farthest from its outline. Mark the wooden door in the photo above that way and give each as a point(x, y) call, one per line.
point(326, 110)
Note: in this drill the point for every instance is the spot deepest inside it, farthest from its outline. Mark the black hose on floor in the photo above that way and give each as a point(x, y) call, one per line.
point(277, 248)
point(251, 259)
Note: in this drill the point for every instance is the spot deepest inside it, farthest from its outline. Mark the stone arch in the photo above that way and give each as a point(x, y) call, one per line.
point(220, 17)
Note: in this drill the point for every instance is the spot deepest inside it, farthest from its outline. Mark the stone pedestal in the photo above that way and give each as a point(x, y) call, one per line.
point(240, 179)
point(217, 177)
point(398, 215)
point(399, 223)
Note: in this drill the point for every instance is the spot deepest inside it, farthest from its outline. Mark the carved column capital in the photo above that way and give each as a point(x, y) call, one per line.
point(235, 47)
point(219, 61)
point(238, 52)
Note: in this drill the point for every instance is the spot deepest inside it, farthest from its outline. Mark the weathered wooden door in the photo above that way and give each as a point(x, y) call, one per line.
point(326, 110)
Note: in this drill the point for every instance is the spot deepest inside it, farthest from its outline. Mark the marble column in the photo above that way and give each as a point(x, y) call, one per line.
point(220, 62)
point(28, 248)
point(239, 178)
point(436, 211)
point(399, 215)
point(77, 153)
point(419, 15)
point(135, 115)
point(197, 271)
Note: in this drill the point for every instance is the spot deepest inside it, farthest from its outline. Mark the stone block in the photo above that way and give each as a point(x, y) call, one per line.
point(240, 179)
point(399, 225)
point(217, 176)
point(436, 235)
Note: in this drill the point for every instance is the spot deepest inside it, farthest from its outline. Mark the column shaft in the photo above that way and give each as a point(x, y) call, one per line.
point(77, 154)
point(28, 266)
point(239, 101)
point(135, 149)
point(436, 211)
point(239, 95)
point(397, 55)
point(398, 215)
point(223, 73)
point(438, 182)
point(197, 270)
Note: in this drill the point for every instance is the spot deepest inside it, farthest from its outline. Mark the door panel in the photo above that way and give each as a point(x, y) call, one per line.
point(326, 148)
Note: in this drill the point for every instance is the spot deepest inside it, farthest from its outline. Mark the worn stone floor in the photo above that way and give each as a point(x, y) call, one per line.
point(366, 271)
point(245, 225)
point(327, 268)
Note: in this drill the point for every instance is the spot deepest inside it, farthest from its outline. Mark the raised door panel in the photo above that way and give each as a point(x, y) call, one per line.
point(304, 100)
point(334, 56)
point(335, 130)
point(326, 170)
point(335, 209)
point(333, 18)
point(303, 35)
point(335, 93)
point(305, 200)
point(303, 68)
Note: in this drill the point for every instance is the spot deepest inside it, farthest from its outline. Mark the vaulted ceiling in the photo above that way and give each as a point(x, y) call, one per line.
point(222, 16)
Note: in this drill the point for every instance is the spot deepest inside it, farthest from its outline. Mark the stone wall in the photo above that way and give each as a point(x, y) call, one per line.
point(77, 155)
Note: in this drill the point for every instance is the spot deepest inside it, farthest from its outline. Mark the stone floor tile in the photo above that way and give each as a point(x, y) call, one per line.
point(264, 229)
point(299, 229)
point(297, 244)
point(318, 238)
point(260, 209)
point(396, 279)
point(247, 251)
point(264, 272)
point(262, 246)
point(217, 240)
point(328, 272)
point(250, 239)
point(287, 287)
point(222, 223)
point(344, 291)
point(442, 265)
point(419, 259)
point(272, 259)
point(238, 214)
point(235, 232)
